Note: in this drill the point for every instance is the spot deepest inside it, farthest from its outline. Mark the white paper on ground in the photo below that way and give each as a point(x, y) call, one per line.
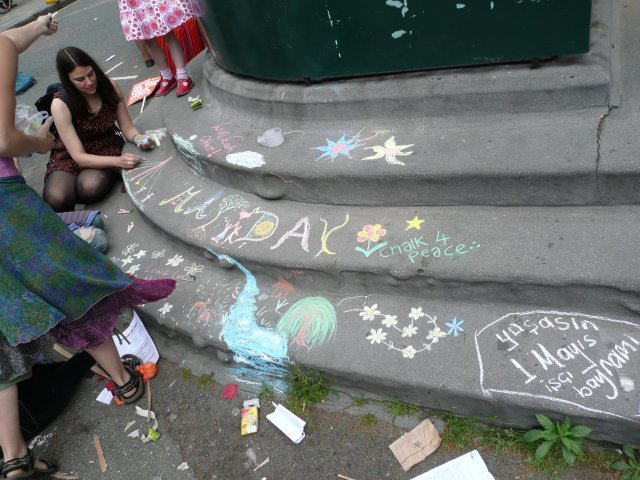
point(290, 424)
point(469, 466)
point(105, 396)
point(143, 413)
point(140, 345)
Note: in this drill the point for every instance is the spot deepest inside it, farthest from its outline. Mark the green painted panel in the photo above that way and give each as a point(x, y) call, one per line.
point(302, 39)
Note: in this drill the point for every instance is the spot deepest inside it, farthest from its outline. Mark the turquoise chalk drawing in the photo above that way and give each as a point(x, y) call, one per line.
point(252, 345)
point(188, 152)
point(309, 322)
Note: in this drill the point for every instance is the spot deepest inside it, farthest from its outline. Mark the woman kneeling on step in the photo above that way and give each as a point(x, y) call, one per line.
point(86, 157)
point(50, 280)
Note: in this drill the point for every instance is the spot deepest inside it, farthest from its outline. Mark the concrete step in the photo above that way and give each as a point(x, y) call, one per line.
point(562, 255)
point(473, 357)
point(481, 158)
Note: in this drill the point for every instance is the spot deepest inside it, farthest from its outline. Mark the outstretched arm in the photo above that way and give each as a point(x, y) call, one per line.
point(73, 144)
point(14, 143)
point(24, 36)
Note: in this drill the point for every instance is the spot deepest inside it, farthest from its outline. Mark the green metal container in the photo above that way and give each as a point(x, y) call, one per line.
point(313, 39)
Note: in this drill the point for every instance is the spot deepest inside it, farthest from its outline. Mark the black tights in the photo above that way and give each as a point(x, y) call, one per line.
point(64, 190)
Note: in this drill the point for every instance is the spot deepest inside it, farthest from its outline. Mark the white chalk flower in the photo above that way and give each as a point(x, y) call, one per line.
point(390, 320)
point(409, 331)
point(175, 260)
point(369, 313)
point(416, 313)
point(377, 336)
point(133, 269)
point(435, 334)
point(166, 308)
point(408, 352)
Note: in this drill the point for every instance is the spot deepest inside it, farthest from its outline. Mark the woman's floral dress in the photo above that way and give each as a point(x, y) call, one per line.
point(147, 19)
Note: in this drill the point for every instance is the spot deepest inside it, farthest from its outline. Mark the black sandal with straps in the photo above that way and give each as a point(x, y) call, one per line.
point(28, 466)
point(135, 383)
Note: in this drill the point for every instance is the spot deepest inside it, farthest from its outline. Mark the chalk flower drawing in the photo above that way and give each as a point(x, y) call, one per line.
point(175, 260)
point(455, 327)
point(377, 336)
point(390, 320)
point(371, 233)
point(133, 269)
point(415, 314)
point(166, 308)
point(193, 269)
point(130, 248)
point(389, 151)
point(342, 147)
point(409, 331)
point(369, 313)
point(435, 334)
point(140, 254)
point(409, 352)
point(127, 261)
point(158, 254)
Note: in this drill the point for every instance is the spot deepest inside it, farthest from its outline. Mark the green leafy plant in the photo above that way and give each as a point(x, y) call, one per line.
point(305, 388)
point(360, 401)
point(631, 467)
point(398, 408)
point(266, 395)
point(186, 373)
point(509, 439)
point(370, 419)
point(460, 432)
point(557, 437)
point(206, 381)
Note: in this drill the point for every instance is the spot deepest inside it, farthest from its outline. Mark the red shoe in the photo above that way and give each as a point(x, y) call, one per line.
point(166, 86)
point(184, 86)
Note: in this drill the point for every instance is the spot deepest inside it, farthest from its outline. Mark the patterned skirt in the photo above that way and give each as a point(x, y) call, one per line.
point(147, 19)
point(52, 280)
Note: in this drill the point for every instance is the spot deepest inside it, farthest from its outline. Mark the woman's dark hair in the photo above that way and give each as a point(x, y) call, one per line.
point(67, 60)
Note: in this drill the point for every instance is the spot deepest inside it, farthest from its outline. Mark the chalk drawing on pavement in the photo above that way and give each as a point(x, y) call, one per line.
point(252, 345)
point(398, 333)
point(342, 146)
point(369, 234)
point(309, 322)
point(246, 159)
point(586, 361)
point(188, 152)
point(389, 151)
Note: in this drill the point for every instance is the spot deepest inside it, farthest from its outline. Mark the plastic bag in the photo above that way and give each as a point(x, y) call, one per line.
point(156, 135)
point(28, 119)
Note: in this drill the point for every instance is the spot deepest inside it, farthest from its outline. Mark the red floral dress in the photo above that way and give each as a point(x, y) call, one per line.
point(99, 136)
point(147, 19)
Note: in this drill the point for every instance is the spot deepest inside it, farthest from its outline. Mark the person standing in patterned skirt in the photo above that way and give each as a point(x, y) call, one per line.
point(149, 20)
point(50, 280)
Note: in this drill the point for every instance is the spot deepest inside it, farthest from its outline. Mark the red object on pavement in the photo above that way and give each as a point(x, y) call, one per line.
point(230, 391)
point(147, 370)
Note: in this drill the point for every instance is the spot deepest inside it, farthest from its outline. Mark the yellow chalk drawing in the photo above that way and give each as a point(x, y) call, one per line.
point(184, 197)
point(414, 223)
point(389, 151)
point(326, 235)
